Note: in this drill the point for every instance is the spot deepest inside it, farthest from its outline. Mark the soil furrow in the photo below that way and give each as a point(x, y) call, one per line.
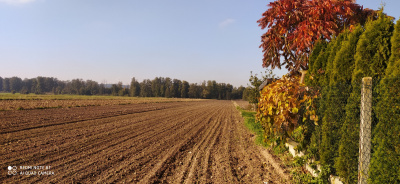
point(187, 140)
point(178, 142)
point(197, 166)
point(42, 122)
point(105, 144)
point(160, 134)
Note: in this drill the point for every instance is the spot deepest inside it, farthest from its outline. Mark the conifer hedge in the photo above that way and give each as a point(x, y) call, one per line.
point(372, 55)
point(385, 161)
point(329, 128)
point(337, 68)
point(317, 63)
point(340, 84)
point(315, 78)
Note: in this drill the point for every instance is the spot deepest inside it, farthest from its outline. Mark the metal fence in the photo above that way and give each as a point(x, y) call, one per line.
point(365, 130)
point(358, 134)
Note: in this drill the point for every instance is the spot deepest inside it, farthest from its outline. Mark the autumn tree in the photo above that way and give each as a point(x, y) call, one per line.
point(295, 25)
point(279, 108)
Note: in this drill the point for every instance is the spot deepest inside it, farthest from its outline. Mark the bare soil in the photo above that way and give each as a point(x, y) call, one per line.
point(177, 142)
point(25, 104)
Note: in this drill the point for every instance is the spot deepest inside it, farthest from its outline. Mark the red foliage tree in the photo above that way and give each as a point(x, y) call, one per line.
point(295, 25)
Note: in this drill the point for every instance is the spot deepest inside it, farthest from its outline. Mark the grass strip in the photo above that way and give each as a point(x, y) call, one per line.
point(295, 165)
point(253, 126)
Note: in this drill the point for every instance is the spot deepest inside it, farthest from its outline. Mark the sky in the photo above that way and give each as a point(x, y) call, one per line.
point(114, 40)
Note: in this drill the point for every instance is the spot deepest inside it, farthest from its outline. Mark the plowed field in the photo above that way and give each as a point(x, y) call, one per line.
point(176, 142)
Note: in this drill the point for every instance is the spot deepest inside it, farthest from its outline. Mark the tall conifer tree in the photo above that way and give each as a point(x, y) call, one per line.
point(341, 89)
point(385, 162)
point(372, 55)
point(329, 140)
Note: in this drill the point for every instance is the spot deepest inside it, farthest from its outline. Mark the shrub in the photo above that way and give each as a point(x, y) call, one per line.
point(280, 107)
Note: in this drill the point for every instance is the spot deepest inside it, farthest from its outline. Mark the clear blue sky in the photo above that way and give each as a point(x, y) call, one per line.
point(115, 40)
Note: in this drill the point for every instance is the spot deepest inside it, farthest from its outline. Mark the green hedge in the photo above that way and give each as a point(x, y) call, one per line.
point(337, 68)
point(329, 128)
point(385, 162)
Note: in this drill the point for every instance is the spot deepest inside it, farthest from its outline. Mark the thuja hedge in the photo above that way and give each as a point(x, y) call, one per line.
point(372, 54)
point(337, 68)
point(385, 162)
point(341, 82)
point(329, 127)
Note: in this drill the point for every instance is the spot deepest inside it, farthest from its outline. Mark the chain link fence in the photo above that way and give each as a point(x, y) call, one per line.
point(358, 133)
point(365, 130)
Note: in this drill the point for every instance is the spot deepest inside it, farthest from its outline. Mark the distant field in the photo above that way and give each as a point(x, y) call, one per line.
point(32, 96)
point(9, 101)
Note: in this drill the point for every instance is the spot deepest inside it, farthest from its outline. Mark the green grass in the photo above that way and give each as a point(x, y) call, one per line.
point(32, 96)
point(252, 125)
point(281, 151)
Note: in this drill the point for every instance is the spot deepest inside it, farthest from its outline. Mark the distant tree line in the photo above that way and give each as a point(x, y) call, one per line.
point(158, 87)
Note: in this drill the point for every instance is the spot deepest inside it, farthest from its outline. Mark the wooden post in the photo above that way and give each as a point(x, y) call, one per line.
point(365, 130)
point(303, 75)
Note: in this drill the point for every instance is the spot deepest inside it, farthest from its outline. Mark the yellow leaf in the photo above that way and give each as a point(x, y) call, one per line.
point(295, 110)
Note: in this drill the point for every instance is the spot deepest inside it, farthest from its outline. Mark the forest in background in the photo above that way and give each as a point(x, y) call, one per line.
point(158, 87)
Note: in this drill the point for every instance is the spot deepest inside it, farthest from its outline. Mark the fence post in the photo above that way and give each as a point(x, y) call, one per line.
point(365, 130)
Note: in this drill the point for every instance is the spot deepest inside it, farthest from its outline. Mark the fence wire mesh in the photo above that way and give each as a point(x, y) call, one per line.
point(365, 130)
point(358, 132)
